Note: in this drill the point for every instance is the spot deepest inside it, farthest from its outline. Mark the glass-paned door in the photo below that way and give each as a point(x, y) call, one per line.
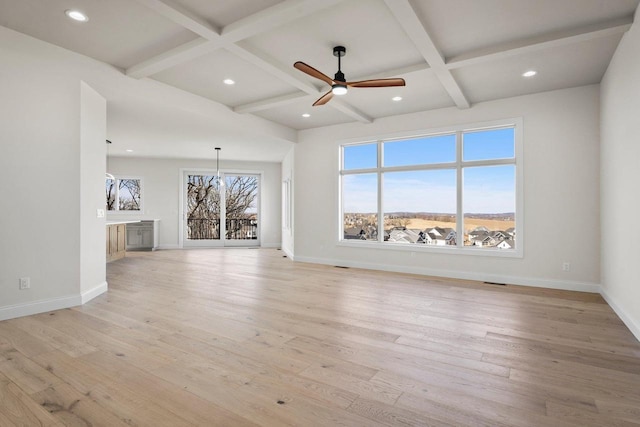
point(220, 211)
point(241, 209)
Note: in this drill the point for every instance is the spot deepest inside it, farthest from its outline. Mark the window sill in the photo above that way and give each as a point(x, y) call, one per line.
point(449, 250)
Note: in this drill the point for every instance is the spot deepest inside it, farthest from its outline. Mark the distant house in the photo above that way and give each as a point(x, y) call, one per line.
point(506, 244)
point(354, 233)
point(441, 236)
point(404, 235)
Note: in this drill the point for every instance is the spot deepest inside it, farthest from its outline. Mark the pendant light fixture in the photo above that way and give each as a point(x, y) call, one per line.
point(107, 174)
point(219, 180)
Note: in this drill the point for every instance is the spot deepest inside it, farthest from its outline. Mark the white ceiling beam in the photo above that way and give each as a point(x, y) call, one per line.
point(273, 17)
point(546, 41)
point(395, 72)
point(171, 58)
point(266, 104)
point(407, 18)
point(183, 17)
point(257, 23)
point(287, 74)
point(231, 35)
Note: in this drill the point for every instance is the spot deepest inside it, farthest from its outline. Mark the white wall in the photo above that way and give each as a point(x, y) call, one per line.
point(93, 130)
point(288, 175)
point(40, 179)
point(561, 193)
point(620, 171)
point(161, 192)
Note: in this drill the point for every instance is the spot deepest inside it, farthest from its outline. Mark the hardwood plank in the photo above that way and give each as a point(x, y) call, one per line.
point(18, 409)
point(237, 337)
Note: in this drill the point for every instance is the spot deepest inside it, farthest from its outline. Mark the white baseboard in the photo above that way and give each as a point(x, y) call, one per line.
point(270, 245)
point(42, 306)
point(92, 293)
point(169, 246)
point(464, 275)
point(288, 254)
point(633, 325)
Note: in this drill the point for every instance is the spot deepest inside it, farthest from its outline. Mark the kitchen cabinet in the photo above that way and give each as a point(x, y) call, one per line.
point(142, 236)
point(116, 245)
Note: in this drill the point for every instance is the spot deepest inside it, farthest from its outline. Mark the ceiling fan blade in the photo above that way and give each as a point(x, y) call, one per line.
point(308, 69)
point(324, 99)
point(377, 83)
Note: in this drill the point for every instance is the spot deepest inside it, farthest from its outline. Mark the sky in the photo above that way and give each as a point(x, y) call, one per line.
point(486, 189)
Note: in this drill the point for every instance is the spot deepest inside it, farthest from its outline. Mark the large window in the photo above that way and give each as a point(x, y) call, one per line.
point(456, 190)
point(124, 194)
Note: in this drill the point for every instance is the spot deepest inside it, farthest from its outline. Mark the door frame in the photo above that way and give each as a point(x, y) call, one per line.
point(222, 242)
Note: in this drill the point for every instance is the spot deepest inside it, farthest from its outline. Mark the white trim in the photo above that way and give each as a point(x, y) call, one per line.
point(271, 245)
point(41, 306)
point(92, 293)
point(170, 246)
point(629, 321)
point(288, 254)
point(566, 285)
point(462, 126)
point(414, 247)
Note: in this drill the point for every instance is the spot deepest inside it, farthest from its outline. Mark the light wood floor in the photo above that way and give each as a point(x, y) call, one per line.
point(238, 337)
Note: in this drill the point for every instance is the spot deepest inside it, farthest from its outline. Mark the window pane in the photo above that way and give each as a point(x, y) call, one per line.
point(203, 208)
point(111, 194)
point(420, 207)
point(360, 206)
point(360, 156)
point(427, 150)
point(129, 194)
point(489, 195)
point(241, 201)
point(488, 144)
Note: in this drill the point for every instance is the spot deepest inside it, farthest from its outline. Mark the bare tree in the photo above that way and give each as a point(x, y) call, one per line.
point(240, 196)
point(129, 194)
point(203, 205)
point(111, 194)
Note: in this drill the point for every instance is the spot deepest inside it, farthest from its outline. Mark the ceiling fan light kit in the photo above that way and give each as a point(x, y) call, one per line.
point(339, 85)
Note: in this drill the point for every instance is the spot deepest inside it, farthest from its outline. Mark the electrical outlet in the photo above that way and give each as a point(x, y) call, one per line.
point(100, 213)
point(25, 283)
point(566, 266)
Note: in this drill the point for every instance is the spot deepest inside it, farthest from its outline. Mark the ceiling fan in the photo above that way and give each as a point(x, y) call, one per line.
point(338, 84)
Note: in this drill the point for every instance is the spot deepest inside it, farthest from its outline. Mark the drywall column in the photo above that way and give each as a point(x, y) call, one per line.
point(39, 178)
point(93, 128)
point(620, 174)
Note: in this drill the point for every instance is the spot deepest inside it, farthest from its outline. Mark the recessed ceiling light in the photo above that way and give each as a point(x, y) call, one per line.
point(396, 98)
point(76, 15)
point(228, 82)
point(129, 150)
point(305, 115)
point(529, 73)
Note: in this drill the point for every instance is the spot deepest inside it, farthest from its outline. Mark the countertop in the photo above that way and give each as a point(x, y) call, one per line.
point(131, 221)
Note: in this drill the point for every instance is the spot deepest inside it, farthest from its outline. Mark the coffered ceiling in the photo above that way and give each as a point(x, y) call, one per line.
point(452, 53)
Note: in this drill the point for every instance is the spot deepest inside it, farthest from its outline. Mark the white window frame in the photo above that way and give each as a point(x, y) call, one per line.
point(117, 204)
point(458, 165)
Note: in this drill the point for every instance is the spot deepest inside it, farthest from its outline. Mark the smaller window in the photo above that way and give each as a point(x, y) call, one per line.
point(489, 144)
point(361, 156)
point(417, 151)
point(124, 194)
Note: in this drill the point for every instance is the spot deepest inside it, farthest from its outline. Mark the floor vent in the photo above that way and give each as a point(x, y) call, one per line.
point(340, 266)
point(494, 283)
